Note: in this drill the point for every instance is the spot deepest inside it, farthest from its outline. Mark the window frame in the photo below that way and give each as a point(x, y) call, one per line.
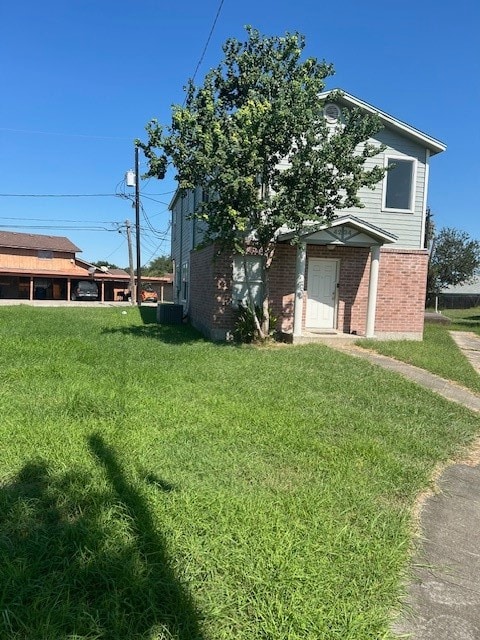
point(239, 280)
point(413, 184)
point(45, 254)
point(184, 281)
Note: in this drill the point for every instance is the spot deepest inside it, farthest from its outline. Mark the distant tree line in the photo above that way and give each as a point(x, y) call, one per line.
point(159, 266)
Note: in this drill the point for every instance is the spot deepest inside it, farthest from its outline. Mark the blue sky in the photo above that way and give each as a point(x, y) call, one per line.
point(81, 78)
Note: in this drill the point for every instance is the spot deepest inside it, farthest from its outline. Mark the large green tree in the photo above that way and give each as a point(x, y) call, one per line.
point(257, 109)
point(454, 259)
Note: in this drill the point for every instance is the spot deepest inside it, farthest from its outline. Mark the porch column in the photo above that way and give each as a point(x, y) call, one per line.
point(31, 288)
point(69, 288)
point(299, 287)
point(372, 291)
point(102, 291)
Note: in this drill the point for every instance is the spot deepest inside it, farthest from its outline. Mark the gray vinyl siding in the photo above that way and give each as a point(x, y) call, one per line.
point(408, 227)
point(186, 233)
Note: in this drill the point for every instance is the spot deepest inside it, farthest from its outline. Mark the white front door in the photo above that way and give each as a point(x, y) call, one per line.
point(322, 293)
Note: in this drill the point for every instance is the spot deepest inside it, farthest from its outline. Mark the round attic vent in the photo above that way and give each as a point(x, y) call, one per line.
point(332, 112)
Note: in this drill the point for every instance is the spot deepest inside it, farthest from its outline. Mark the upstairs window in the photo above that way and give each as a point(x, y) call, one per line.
point(399, 184)
point(45, 255)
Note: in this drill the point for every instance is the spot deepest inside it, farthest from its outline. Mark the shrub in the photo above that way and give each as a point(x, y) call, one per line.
point(245, 330)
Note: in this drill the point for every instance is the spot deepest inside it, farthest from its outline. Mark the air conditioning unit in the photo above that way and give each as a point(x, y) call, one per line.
point(168, 313)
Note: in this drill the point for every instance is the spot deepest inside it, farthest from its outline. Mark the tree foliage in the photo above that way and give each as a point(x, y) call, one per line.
point(255, 138)
point(159, 266)
point(454, 259)
point(105, 263)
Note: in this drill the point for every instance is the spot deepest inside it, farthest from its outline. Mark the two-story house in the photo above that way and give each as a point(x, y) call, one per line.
point(364, 273)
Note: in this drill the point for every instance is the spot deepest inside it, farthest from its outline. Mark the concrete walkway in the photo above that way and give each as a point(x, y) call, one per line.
point(443, 599)
point(469, 343)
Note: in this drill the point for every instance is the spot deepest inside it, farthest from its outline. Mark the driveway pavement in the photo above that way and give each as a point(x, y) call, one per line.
point(72, 304)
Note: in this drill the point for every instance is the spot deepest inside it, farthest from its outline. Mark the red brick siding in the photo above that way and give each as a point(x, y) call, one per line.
point(210, 286)
point(282, 286)
point(400, 300)
point(401, 287)
point(401, 290)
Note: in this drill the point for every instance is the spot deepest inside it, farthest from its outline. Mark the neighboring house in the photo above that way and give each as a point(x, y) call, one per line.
point(41, 267)
point(461, 296)
point(364, 273)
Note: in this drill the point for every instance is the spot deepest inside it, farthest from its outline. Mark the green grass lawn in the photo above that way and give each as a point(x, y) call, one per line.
point(157, 486)
point(437, 352)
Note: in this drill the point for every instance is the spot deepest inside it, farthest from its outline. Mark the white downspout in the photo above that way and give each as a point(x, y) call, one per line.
point(372, 291)
point(299, 287)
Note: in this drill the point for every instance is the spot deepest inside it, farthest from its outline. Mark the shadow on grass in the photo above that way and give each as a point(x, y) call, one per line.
point(475, 320)
point(471, 323)
point(169, 334)
point(79, 562)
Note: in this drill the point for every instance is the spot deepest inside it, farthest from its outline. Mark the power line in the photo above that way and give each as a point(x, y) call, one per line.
point(67, 135)
point(22, 219)
point(55, 227)
point(165, 193)
point(59, 195)
point(115, 250)
point(208, 40)
point(154, 200)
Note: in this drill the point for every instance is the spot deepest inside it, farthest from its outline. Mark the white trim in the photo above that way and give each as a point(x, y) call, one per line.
point(184, 269)
point(425, 197)
point(336, 261)
point(435, 146)
point(413, 190)
point(378, 234)
point(247, 279)
point(332, 119)
point(372, 291)
point(300, 263)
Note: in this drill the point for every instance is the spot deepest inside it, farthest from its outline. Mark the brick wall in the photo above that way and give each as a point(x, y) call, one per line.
point(210, 310)
point(401, 291)
point(400, 299)
point(401, 288)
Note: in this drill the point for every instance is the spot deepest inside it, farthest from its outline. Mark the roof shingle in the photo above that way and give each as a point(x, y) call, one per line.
point(15, 240)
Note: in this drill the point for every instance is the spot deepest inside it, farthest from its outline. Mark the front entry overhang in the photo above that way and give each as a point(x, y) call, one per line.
point(347, 231)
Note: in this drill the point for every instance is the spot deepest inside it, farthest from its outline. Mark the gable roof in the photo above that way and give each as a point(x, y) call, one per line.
point(364, 232)
point(13, 240)
point(390, 122)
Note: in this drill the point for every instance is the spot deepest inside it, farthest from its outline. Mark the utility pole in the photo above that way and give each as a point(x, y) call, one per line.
point(137, 228)
point(130, 261)
point(132, 179)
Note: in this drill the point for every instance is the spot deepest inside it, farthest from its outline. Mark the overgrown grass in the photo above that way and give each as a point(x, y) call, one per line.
point(438, 352)
point(156, 486)
point(464, 319)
